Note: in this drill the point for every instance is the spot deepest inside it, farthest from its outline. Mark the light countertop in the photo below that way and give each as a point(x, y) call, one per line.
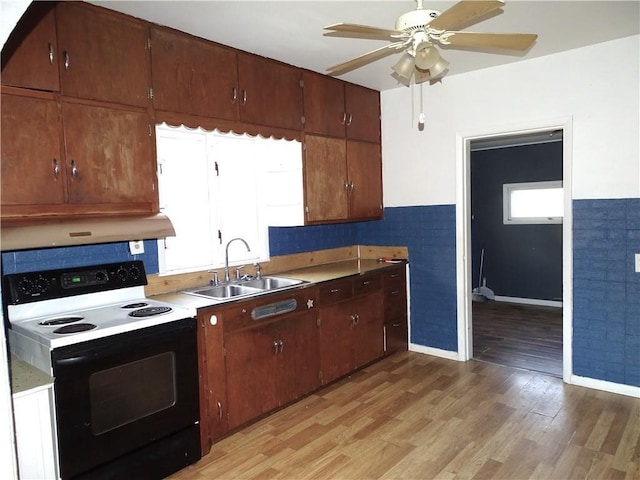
point(313, 275)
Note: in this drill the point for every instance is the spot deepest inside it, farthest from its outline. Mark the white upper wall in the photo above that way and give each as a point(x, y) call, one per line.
point(597, 86)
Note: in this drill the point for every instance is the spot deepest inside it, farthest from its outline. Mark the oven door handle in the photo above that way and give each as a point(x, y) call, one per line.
point(71, 361)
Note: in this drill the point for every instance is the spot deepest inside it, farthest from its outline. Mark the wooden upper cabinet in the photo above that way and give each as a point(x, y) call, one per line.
point(340, 109)
point(324, 107)
point(269, 92)
point(193, 76)
point(31, 162)
point(30, 55)
point(363, 113)
point(110, 158)
point(325, 178)
point(343, 180)
point(364, 167)
point(103, 55)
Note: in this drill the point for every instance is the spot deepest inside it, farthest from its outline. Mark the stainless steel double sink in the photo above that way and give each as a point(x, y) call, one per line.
point(243, 288)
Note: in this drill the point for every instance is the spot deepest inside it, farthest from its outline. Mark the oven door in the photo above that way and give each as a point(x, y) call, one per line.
point(125, 393)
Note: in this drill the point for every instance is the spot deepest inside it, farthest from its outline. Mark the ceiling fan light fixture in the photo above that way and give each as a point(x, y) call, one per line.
point(427, 56)
point(405, 66)
point(439, 68)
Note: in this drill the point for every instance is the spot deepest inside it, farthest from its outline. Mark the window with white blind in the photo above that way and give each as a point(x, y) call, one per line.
point(215, 187)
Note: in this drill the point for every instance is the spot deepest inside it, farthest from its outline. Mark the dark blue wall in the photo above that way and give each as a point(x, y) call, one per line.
point(522, 261)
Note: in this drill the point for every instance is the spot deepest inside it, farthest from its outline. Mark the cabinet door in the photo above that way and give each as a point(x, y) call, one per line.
point(336, 340)
point(270, 92)
point(324, 109)
point(103, 55)
point(110, 158)
point(251, 373)
point(368, 332)
point(193, 76)
point(363, 113)
point(325, 178)
point(365, 180)
point(32, 157)
point(30, 55)
point(299, 357)
point(213, 384)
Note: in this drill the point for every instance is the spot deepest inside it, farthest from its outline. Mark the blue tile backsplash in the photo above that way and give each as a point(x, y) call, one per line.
point(606, 290)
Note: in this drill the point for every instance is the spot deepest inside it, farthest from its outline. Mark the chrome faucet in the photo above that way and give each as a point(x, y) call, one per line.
point(227, 277)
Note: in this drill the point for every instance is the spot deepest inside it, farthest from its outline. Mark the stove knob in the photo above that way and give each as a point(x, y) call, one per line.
point(122, 273)
point(134, 272)
point(101, 276)
point(25, 286)
point(42, 284)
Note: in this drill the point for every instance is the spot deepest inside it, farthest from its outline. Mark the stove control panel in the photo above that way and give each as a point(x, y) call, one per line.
point(28, 287)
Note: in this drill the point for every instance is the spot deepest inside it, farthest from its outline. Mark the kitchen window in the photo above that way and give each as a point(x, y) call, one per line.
point(532, 203)
point(214, 187)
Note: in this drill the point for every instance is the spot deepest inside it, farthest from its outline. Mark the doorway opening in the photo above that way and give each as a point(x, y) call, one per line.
point(515, 303)
point(516, 246)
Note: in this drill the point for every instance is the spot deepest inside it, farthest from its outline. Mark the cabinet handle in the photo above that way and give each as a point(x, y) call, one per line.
point(275, 346)
point(355, 319)
point(335, 290)
point(67, 62)
point(394, 292)
point(344, 118)
point(219, 411)
point(351, 186)
point(56, 169)
point(349, 118)
point(234, 95)
point(244, 97)
point(281, 345)
point(74, 169)
point(51, 54)
point(367, 282)
point(394, 275)
point(346, 185)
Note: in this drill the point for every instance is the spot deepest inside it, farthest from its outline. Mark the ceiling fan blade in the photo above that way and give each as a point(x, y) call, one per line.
point(509, 41)
point(362, 60)
point(464, 13)
point(362, 31)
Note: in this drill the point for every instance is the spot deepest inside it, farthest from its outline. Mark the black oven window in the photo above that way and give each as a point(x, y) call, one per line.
point(129, 392)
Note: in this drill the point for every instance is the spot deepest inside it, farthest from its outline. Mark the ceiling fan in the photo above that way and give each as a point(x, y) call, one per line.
point(418, 32)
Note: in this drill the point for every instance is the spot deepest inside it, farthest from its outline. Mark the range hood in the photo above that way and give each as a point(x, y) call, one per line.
point(27, 234)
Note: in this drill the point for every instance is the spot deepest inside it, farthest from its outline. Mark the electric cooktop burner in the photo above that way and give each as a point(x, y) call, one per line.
point(135, 305)
point(75, 328)
point(150, 311)
point(61, 321)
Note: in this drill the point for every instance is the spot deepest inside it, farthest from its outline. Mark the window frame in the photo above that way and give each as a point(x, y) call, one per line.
point(508, 188)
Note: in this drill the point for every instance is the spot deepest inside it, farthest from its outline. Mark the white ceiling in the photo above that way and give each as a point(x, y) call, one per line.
point(292, 31)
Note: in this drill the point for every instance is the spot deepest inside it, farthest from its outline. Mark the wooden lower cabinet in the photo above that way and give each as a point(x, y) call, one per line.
point(350, 335)
point(395, 309)
point(251, 367)
point(269, 366)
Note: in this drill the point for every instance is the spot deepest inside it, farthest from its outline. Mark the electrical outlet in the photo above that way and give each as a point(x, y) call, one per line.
point(637, 262)
point(136, 247)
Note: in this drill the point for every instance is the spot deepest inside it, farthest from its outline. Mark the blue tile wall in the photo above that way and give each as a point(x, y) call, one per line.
point(62, 257)
point(289, 240)
point(429, 232)
point(606, 290)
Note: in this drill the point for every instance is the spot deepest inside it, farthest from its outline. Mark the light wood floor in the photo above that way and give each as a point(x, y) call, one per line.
point(522, 336)
point(414, 416)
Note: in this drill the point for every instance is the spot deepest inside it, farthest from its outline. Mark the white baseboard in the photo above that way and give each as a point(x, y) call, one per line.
point(619, 388)
point(529, 301)
point(436, 352)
